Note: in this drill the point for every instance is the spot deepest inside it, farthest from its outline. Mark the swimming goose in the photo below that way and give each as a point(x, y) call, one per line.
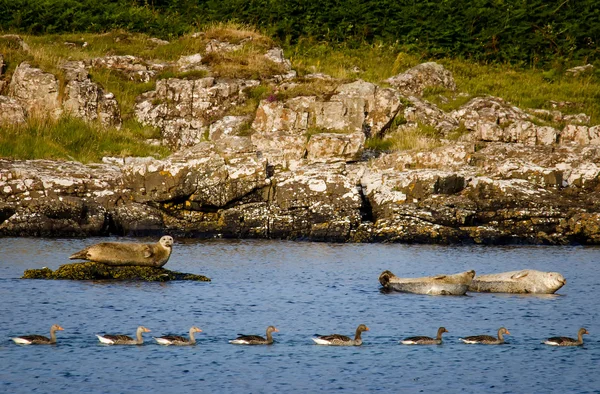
point(487, 339)
point(39, 339)
point(124, 339)
point(341, 340)
point(566, 341)
point(255, 339)
point(425, 340)
point(177, 340)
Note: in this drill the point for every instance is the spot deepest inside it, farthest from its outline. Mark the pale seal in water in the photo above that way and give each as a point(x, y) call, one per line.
point(520, 282)
point(456, 284)
point(138, 254)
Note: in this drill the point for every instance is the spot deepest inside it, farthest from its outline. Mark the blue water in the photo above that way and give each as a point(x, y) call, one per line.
point(302, 289)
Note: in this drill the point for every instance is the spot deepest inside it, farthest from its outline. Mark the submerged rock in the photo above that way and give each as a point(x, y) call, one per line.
point(97, 271)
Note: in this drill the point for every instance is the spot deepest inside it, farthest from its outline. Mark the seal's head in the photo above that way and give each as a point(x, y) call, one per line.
point(166, 242)
point(554, 281)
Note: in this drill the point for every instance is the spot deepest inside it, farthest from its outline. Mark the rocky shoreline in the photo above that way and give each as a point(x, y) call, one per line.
point(509, 178)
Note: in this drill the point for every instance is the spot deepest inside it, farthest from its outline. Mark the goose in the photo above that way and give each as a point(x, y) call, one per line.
point(177, 340)
point(123, 339)
point(255, 339)
point(341, 340)
point(487, 339)
point(421, 340)
point(566, 341)
point(39, 339)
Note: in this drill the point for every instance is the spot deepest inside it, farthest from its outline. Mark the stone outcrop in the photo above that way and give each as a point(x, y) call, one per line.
point(357, 106)
point(425, 75)
point(84, 99)
point(133, 67)
point(183, 109)
point(36, 91)
point(298, 169)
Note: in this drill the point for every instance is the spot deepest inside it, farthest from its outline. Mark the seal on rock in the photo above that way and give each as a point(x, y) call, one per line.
point(456, 284)
point(520, 282)
point(137, 254)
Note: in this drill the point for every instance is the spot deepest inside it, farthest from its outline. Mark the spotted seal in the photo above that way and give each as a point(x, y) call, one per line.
point(138, 254)
point(519, 282)
point(456, 284)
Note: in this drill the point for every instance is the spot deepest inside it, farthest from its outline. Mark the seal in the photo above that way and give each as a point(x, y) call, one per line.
point(137, 254)
point(526, 281)
point(455, 284)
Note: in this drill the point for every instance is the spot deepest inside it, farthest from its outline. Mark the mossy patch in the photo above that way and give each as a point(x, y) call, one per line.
point(97, 271)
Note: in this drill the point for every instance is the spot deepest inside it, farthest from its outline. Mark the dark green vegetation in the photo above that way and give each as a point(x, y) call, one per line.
point(521, 32)
point(97, 271)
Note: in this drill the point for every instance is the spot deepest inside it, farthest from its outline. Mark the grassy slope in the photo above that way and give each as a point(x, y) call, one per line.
point(73, 139)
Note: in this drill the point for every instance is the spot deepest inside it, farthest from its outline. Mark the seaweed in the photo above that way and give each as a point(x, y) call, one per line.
point(98, 271)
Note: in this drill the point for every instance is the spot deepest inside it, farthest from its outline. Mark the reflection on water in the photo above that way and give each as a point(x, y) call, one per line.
point(303, 289)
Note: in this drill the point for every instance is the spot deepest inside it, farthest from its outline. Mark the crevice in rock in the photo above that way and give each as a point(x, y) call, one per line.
point(366, 209)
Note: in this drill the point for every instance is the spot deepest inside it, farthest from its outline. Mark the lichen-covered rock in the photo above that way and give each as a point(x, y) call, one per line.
point(191, 63)
point(329, 147)
point(84, 99)
point(183, 109)
point(280, 149)
point(226, 126)
point(36, 91)
point(357, 106)
point(133, 67)
point(98, 271)
point(583, 135)
point(426, 75)
point(11, 112)
point(425, 113)
point(199, 174)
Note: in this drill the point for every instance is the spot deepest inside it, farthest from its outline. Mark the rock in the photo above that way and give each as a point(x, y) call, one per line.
point(329, 147)
point(199, 175)
point(227, 126)
point(18, 39)
point(133, 67)
point(183, 109)
point(2, 83)
point(191, 63)
point(425, 113)
point(215, 45)
point(36, 91)
point(357, 106)
point(84, 99)
point(158, 41)
point(11, 112)
point(425, 75)
point(279, 149)
point(576, 71)
point(583, 135)
point(291, 116)
point(99, 271)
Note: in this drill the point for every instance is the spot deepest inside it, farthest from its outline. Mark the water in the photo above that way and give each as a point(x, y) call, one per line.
point(302, 289)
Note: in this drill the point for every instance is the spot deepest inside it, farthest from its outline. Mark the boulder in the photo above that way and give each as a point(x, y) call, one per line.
point(11, 112)
point(422, 112)
point(84, 99)
point(36, 91)
point(191, 63)
point(426, 75)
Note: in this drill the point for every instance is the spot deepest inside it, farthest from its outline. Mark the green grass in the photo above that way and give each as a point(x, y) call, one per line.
point(74, 139)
